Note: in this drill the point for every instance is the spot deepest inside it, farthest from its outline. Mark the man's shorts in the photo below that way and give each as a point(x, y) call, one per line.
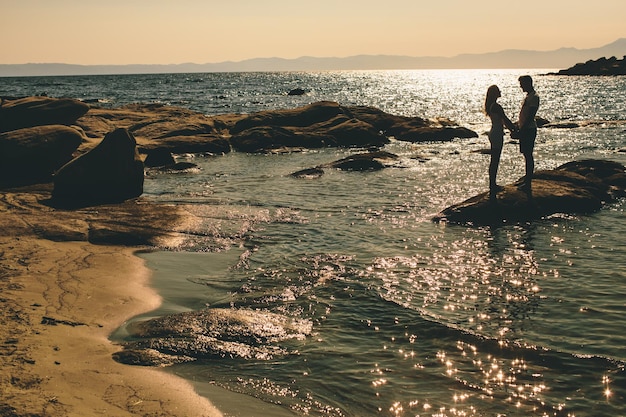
point(527, 140)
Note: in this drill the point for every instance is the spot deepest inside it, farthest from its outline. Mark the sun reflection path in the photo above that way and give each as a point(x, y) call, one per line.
point(488, 292)
point(463, 283)
point(481, 378)
point(486, 379)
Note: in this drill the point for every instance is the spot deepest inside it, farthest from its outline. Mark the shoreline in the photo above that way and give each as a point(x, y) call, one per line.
point(61, 300)
point(170, 278)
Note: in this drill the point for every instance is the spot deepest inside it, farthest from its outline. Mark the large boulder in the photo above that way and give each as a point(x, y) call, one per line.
point(109, 173)
point(34, 154)
point(38, 111)
point(316, 125)
point(574, 188)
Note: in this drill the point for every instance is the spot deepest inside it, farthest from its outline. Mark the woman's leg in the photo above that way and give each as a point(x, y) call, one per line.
point(493, 166)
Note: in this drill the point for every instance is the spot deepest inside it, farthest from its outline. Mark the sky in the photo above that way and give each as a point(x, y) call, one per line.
point(117, 32)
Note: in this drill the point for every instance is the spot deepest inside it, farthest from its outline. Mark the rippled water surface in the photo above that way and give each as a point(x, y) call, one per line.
point(408, 317)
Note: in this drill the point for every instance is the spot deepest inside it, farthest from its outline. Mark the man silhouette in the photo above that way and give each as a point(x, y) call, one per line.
point(528, 127)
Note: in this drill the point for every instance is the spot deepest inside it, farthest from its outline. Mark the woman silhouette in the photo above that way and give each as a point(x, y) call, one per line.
point(496, 135)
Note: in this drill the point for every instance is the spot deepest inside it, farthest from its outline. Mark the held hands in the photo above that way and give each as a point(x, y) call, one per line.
point(515, 133)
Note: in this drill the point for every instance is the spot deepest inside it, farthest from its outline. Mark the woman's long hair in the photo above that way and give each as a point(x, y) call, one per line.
point(492, 96)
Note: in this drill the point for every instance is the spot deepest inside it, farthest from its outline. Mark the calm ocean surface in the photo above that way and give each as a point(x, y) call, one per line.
point(404, 317)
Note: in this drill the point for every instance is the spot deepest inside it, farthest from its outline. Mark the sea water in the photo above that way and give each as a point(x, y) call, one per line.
point(408, 317)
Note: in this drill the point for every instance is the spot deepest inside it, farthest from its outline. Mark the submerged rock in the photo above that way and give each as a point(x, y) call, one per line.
point(240, 333)
point(269, 138)
point(162, 160)
point(149, 357)
point(296, 92)
point(574, 188)
point(368, 161)
point(175, 168)
point(308, 173)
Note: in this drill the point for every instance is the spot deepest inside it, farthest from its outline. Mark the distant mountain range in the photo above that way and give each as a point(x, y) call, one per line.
point(511, 58)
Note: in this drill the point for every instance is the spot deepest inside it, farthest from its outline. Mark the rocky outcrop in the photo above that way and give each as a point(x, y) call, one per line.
point(330, 124)
point(322, 124)
point(178, 130)
point(39, 111)
point(298, 117)
point(111, 172)
point(34, 154)
point(411, 129)
point(157, 126)
point(602, 66)
point(27, 212)
point(577, 187)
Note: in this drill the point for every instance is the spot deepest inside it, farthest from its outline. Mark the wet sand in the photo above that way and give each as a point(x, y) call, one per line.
point(60, 299)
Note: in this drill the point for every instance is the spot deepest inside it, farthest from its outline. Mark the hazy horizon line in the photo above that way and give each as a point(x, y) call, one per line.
point(509, 50)
point(560, 58)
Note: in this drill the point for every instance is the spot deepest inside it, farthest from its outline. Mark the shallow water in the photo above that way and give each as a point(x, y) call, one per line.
point(411, 317)
point(408, 317)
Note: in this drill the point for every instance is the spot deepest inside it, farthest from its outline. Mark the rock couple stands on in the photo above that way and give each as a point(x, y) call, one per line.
point(575, 187)
point(95, 155)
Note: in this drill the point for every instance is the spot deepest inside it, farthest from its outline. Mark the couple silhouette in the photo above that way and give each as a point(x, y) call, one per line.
point(525, 130)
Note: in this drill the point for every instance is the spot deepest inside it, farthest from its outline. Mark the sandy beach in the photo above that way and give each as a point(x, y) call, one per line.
point(62, 296)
